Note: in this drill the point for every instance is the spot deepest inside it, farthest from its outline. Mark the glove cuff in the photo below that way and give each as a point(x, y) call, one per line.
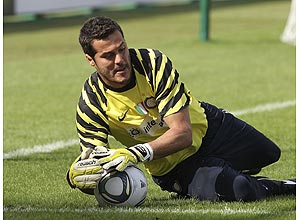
point(143, 152)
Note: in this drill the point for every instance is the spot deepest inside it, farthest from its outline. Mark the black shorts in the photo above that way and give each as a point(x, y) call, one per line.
point(229, 143)
point(235, 141)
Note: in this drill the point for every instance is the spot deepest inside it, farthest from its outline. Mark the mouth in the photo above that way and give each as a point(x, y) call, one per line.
point(121, 70)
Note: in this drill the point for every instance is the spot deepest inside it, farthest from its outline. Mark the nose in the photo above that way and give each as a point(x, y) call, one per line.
point(119, 58)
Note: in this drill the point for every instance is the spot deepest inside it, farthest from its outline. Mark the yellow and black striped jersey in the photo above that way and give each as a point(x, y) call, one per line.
point(134, 114)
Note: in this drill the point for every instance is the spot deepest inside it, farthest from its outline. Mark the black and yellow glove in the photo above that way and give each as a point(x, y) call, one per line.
point(121, 158)
point(86, 169)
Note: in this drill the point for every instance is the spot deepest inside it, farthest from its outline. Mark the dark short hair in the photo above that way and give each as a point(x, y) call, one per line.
point(96, 28)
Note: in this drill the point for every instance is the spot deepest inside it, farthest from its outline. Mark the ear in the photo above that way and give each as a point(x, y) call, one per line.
point(90, 60)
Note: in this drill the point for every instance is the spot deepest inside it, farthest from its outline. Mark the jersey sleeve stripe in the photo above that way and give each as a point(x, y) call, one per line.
point(158, 59)
point(85, 130)
point(92, 130)
point(83, 123)
point(97, 111)
point(136, 61)
point(91, 97)
point(163, 90)
point(91, 143)
point(89, 133)
point(90, 118)
point(96, 89)
point(147, 64)
point(92, 139)
point(174, 103)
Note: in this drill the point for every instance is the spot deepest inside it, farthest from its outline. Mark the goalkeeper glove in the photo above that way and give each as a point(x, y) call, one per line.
point(121, 158)
point(86, 169)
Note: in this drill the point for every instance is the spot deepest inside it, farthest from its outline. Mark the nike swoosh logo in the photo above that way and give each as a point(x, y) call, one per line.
point(122, 117)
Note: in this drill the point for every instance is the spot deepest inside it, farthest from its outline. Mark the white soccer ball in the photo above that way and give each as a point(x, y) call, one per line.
point(126, 188)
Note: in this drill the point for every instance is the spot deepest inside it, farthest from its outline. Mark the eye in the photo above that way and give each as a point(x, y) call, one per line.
point(109, 56)
point(122, 48)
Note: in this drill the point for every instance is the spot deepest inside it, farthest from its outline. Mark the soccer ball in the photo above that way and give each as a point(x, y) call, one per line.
point(126, 188)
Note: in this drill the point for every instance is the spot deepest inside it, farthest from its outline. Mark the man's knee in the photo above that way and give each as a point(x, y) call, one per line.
point(275, 154)
point(202, 186)
point(270, 151)
point(217, 180)
point(232, 186)
point(242, 189)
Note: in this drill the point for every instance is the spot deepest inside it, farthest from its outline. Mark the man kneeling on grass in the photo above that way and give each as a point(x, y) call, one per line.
point(189, 147)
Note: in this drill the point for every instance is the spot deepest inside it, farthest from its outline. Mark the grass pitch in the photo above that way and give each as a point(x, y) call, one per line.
point(243, 65)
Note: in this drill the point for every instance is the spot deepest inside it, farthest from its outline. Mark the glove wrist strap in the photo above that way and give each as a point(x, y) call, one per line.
point(143, 152)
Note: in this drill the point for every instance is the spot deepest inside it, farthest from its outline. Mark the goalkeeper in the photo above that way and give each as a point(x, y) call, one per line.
point(190, 147)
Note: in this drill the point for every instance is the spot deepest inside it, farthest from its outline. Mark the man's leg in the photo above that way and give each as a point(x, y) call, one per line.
point(235, 141)
point(214, 179)
point(222, 183)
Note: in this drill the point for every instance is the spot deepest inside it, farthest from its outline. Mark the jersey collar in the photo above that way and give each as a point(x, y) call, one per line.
point(123, 89)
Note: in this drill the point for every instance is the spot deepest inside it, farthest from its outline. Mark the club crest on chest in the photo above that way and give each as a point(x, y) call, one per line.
point(148, 103)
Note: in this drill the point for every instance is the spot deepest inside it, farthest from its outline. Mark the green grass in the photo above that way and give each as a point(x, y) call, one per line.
point(243, 65)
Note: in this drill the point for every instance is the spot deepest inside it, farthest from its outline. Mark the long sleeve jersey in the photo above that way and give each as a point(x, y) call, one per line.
point(135, 114)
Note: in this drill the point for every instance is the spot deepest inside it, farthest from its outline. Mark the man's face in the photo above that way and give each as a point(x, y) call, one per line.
point(112, 60)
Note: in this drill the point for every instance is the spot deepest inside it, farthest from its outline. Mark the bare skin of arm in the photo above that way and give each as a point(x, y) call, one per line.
point(178, 137)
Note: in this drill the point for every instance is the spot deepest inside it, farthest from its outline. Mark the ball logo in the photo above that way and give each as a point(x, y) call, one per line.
point(143, 184)
point(113, 195)
point(125, 188)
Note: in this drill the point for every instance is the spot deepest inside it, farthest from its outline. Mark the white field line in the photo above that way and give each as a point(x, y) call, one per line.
point(225, 211)
point(265, 107)
point(40, 148)
point(63, 144)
